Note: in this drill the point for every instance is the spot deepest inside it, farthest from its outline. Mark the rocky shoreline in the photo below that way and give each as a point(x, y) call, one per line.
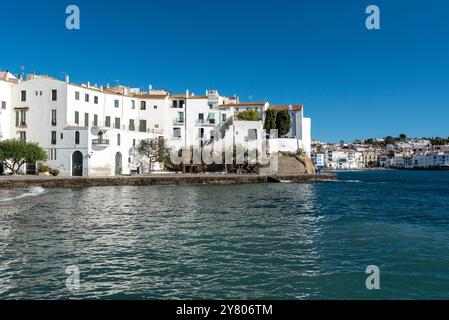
point(176, 179)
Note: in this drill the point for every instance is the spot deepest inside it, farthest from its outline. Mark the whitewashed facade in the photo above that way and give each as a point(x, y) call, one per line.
point(89, 130)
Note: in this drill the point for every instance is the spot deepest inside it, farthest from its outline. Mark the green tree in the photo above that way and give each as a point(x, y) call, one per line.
point(370, 141)
point(249, 115)
point(389, 140)
point(270, 120)
point(15, 153)
point(154, 150)
point(283, 122)
point(403, 137)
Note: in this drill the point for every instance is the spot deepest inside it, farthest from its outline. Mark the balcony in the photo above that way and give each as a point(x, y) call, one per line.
point(100, 142)
point(178, 122)
point(205, 123)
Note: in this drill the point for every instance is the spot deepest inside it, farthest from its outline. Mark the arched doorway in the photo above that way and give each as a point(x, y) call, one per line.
point(118, 164)
point(77, 164)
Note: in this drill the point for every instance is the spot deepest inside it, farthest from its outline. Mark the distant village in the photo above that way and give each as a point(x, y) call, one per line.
point(390, 153)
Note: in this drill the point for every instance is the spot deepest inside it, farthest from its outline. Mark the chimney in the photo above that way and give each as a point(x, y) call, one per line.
point(101, 88)
point(67, 78)
point(88, 84)
point(187, 93)
point(150, 87)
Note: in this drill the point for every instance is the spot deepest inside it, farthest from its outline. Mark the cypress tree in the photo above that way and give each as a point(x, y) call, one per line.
point(283, 122)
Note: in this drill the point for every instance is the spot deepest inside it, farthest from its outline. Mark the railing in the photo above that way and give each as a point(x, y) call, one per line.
point(178, 122)
point(104, 142)
point(111, 126)
point(204, 123)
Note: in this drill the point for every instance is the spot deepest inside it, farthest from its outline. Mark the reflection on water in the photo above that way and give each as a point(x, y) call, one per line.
point(280, 241)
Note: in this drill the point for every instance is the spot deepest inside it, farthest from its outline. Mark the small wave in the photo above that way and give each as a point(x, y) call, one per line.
point(32, 192)
point(346, 181)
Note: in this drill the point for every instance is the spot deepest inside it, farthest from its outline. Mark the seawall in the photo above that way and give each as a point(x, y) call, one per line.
point(176, 179)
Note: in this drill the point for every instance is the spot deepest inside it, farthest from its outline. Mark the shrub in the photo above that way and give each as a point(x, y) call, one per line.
point(44, 168)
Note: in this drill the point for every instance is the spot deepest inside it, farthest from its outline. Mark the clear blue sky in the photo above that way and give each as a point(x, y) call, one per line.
point(354, 83)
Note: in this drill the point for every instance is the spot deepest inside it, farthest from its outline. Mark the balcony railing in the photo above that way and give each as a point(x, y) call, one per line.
point(102, 126)
point(205, 123)
point(100, 142)
point(178, 122)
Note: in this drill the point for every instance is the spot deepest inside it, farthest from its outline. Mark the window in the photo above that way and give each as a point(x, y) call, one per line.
point(201, 117)
point(86, 120)
point(117, 123)
point(155, 107)
point(180, 117)
point(52, 154)
point(21, 118)
point(181, 103)
point(212, 118)
point(156, 126)
point(95, 99)
point(134, 142)
point(133, 104)
point(77, 118)
point(175, 104)
point(252, 134)
point(54, 95)
point(62, 136)
point(77, 137)
point(108, 121)
point(23, 135)
point(86, 97)
point(143, 126)
point(118, 139)
point(223, 117)
point(3, 105)
point(95, 120)
point(53, 118)
point(23, 96)
point(177, 133)
point(53, 137)
point(77, 95)
point(36, 93)
point(131, 125)
point(143, 105)
point(116, 104)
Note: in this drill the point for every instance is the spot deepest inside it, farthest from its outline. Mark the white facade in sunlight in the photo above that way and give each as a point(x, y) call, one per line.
point(89, 130)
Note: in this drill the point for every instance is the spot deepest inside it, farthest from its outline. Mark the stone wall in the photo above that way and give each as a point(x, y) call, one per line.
point(51, 182)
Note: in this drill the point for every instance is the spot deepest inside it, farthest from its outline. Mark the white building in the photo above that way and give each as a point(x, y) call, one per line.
point(89, 130)
point(318, 159)
point(344, 160)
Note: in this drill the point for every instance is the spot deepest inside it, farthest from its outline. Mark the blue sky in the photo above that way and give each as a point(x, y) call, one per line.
point(354, 83)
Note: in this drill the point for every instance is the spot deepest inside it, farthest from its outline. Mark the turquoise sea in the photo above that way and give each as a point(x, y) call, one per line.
point(277, 241)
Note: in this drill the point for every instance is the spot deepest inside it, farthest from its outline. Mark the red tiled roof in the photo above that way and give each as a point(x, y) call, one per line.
point(242, 104)
point(298, 107)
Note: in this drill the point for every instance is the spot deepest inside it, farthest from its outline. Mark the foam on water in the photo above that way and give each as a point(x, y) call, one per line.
point(32, 192)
